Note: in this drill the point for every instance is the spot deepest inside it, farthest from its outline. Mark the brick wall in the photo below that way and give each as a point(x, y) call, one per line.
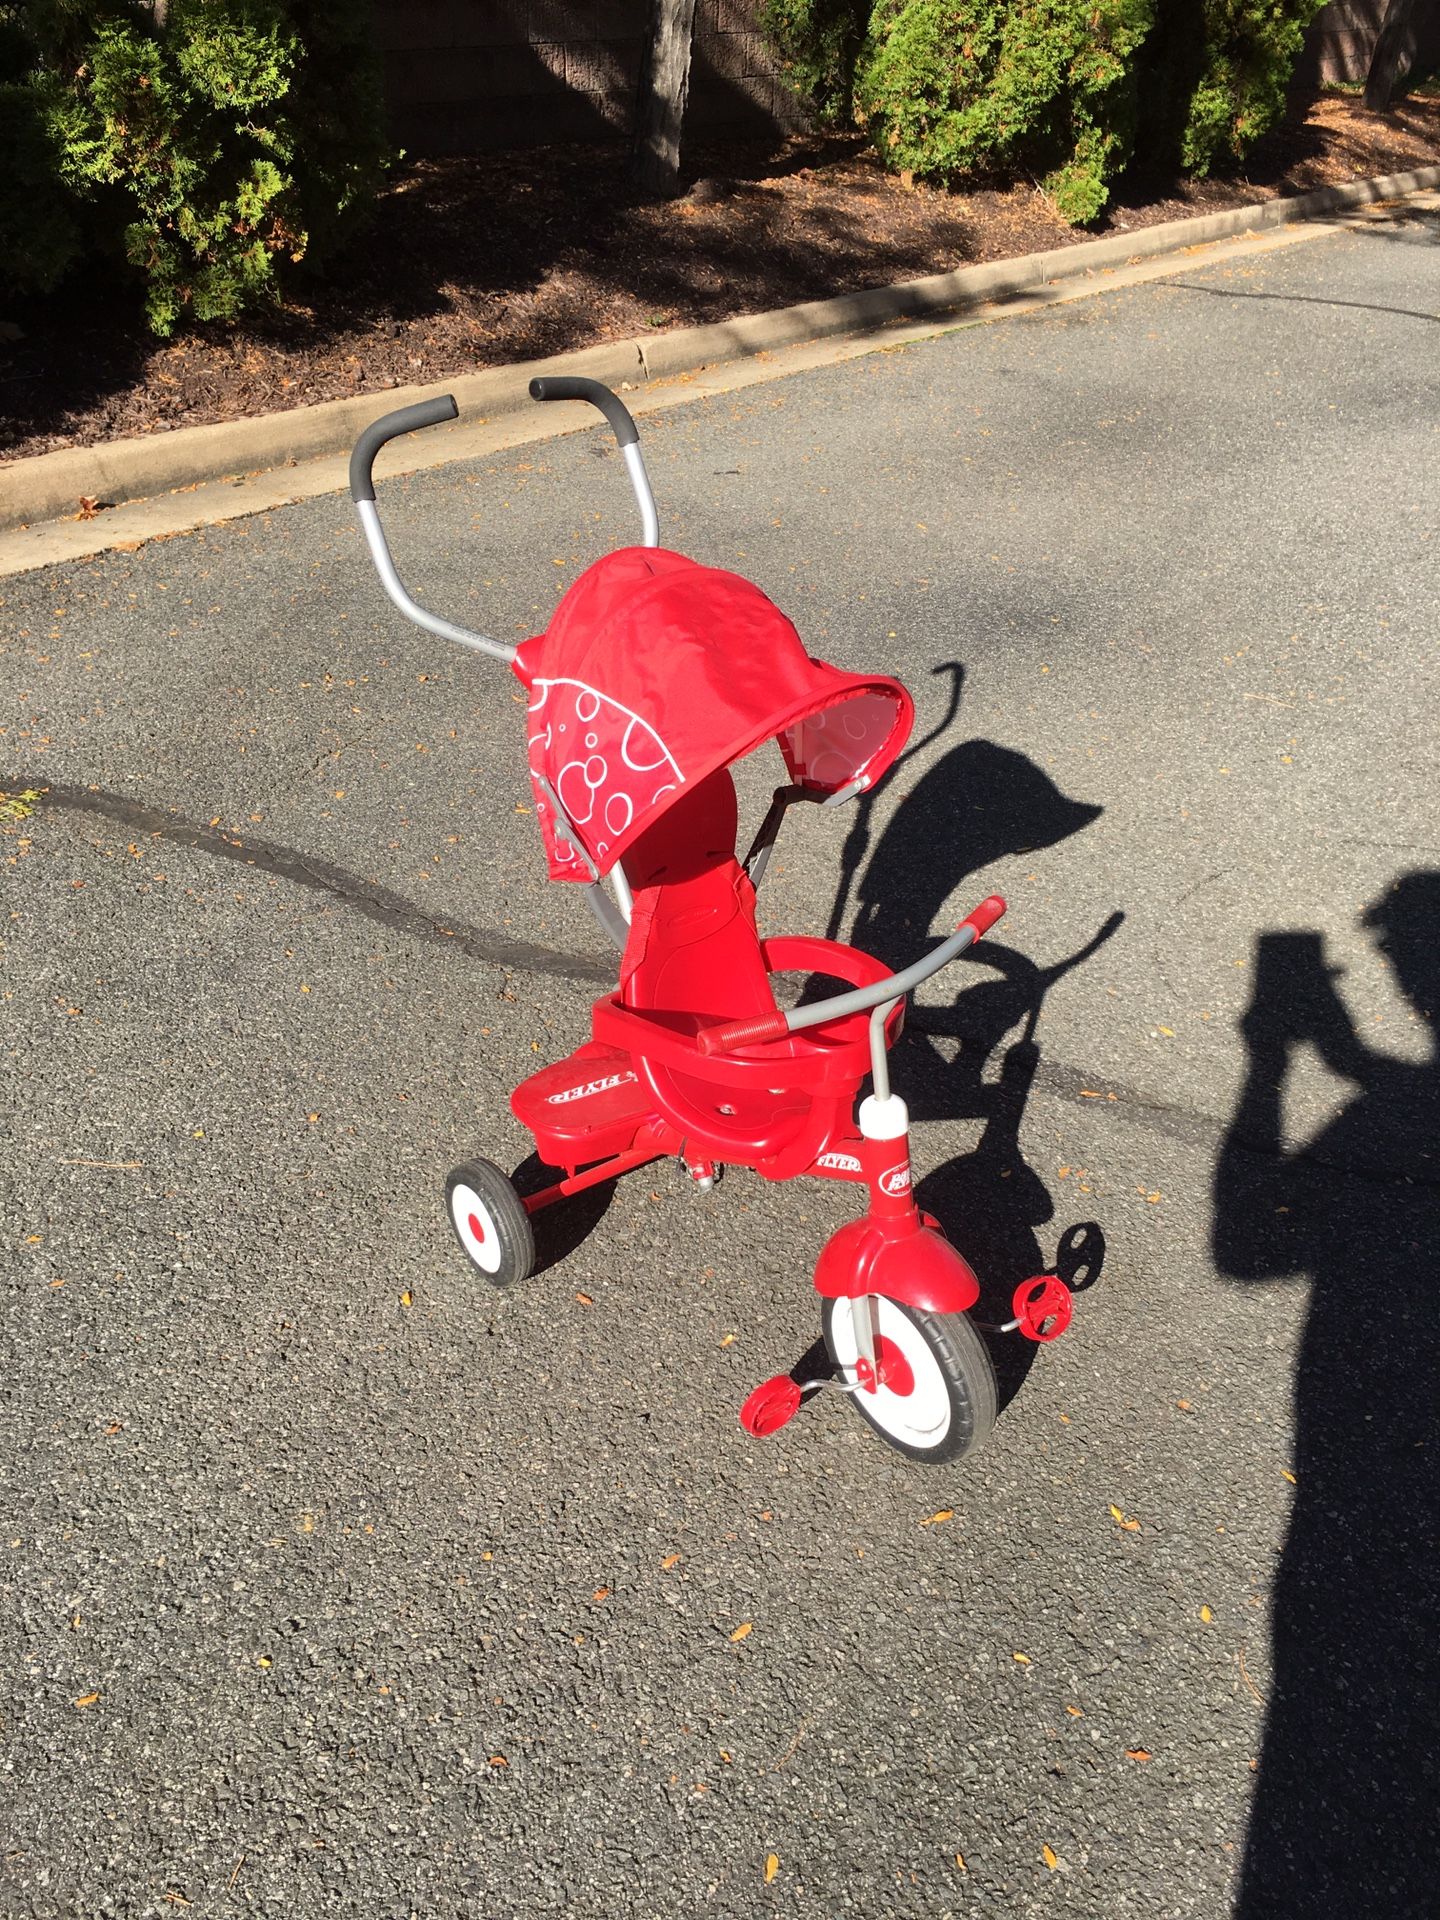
point(465, 75)
point(1342, 38)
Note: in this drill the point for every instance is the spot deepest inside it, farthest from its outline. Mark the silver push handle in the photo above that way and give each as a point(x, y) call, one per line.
point(627, 437)
point(426, 413)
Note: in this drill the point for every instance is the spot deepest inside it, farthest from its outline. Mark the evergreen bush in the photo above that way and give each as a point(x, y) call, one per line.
point(1214, 76)
point(1068, 89)
point(40, 216)
point(216, 143)
point(946, 86)
point(819, 43)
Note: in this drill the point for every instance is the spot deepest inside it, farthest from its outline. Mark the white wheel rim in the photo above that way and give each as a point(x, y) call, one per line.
point(920, 1418)
point(475, 1224)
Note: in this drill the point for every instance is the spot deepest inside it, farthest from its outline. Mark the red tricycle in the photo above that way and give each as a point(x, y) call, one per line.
point(655, 675)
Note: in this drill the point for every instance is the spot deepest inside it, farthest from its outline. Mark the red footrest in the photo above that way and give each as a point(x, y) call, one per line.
point(1042, 1307)
point(771, 1404)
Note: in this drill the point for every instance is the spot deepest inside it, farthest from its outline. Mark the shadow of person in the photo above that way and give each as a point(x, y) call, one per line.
point(1344, 1817)
point(977, 803)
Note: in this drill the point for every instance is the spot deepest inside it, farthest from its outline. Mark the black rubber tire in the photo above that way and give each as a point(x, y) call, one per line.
point(963, 1367)
point(495, 1235)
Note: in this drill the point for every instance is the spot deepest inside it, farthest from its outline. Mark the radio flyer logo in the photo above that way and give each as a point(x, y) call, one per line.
point(590, 1087)
point(839, 1162)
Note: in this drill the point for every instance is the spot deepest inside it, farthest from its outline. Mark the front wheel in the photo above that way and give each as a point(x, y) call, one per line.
point(937, 1400)
point(490, 1222)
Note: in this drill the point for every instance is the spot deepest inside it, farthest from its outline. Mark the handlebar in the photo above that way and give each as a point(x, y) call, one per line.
point(983, 917)
point(425, 413)
point(726, 1037)
point(430, 413)
point(568, 387)
point(627, 437)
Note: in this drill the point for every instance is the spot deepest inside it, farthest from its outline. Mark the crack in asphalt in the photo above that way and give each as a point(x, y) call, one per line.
point(378, 903)
point(1117, 1101)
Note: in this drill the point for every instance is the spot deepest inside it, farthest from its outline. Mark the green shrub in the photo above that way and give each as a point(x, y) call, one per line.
point(819, 43)
point(946, 86)
point(1069, 89)
point(40, 228)
point(1214, 76)
point(40, 216)
point(218, 143)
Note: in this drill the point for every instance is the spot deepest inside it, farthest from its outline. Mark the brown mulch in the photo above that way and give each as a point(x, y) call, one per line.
point(479, 262)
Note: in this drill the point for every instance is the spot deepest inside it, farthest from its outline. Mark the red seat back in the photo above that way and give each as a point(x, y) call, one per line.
point(693, 955)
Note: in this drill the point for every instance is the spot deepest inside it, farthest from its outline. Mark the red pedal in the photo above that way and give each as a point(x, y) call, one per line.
point(1042, 1307)
point(771, 1404)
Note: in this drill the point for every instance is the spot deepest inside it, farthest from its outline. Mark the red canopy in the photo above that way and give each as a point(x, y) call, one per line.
point(654, 672)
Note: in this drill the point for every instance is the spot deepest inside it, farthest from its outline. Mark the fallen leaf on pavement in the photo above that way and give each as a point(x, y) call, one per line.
point(1137, 1753)
point(745, 1626)
point(1023, 1658)
point(1130, 1526)
point(87, 1699)
point(670, 1560)
point(772, 1867)
point(1047, 1854)
point(939, 1519)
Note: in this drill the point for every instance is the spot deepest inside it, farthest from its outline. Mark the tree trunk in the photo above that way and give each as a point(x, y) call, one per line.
point(1394, 54)
point(664, 85)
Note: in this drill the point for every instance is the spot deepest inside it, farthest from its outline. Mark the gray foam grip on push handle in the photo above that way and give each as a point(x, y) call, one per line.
point(425, 413)
point(567, 387)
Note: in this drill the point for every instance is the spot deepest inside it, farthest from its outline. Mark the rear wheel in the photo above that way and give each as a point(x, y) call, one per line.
point(937, 1402)
point(490, 1222)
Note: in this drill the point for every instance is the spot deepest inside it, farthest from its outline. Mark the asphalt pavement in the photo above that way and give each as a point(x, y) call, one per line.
point(335, 1583)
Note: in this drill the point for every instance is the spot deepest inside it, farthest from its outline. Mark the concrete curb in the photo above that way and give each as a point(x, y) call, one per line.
point(52, 484)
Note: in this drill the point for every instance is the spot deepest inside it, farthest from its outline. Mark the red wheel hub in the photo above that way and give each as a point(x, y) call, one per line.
point(476, 1228)
point(1042, 1307)
point(891, 1370)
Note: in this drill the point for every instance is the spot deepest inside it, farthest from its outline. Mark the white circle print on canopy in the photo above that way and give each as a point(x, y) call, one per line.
point(607, 765)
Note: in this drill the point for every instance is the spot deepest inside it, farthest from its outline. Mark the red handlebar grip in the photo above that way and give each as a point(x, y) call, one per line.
point(984, 916)
point(739, 1033)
